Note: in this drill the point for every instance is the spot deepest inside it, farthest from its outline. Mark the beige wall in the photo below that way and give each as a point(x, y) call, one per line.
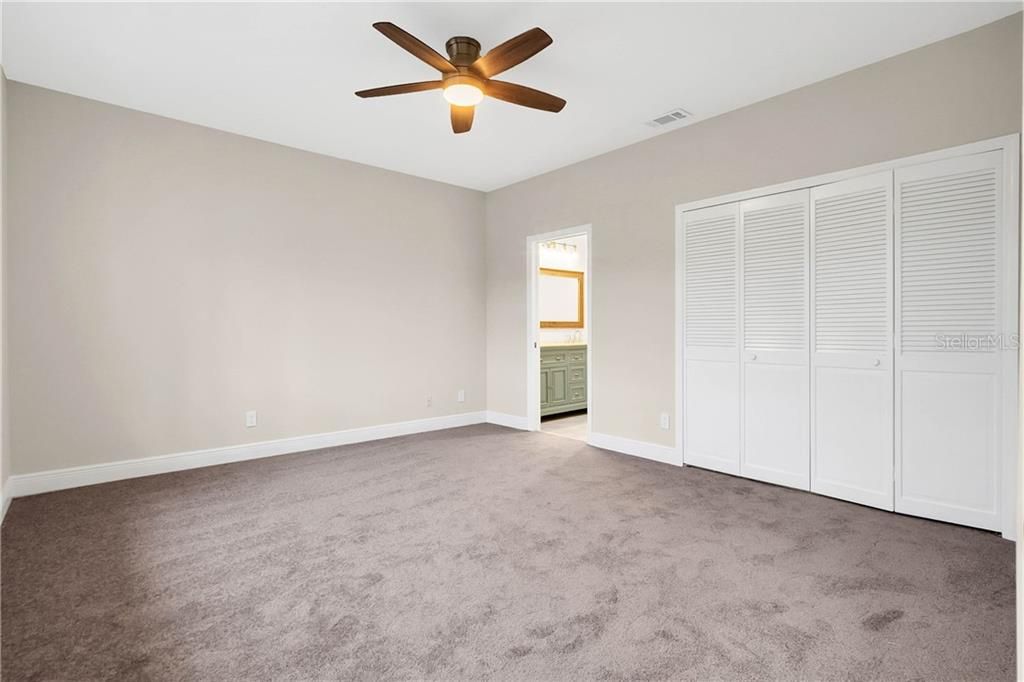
point(165, 278)
point(5, 450)
point(960, 90)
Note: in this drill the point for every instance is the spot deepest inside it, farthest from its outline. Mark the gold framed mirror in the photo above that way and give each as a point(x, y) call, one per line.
point(560, 299)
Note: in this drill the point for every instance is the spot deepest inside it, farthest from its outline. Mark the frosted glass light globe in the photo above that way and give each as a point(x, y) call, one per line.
point(463, 95)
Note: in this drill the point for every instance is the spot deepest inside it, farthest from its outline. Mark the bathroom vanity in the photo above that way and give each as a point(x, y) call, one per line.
point(563, 378)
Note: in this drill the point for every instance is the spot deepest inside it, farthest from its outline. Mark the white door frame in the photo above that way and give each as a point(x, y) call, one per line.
point(533, 243)
point(1012, 506)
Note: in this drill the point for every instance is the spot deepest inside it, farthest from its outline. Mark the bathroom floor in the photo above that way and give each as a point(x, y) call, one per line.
point(569, 425)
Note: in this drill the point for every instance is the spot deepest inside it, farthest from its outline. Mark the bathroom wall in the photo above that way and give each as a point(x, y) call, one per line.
point(561, 259)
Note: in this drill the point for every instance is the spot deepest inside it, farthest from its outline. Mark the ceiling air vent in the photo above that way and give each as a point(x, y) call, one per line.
point(670, 117)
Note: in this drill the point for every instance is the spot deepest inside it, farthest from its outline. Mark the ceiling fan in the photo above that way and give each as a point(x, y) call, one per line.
point(466, 77)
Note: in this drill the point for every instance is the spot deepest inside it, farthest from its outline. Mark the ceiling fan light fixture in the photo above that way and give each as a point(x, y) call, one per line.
point(463, 95)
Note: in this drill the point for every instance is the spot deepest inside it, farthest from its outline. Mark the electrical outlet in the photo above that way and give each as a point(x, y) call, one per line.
point(664, 422)
point(430, 401)
point(461, 397)
point(250, 419)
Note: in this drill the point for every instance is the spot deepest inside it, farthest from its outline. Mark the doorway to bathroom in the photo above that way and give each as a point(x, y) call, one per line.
point(559, 384)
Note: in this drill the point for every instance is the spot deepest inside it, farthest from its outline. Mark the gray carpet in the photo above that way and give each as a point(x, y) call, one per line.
point(489, 553)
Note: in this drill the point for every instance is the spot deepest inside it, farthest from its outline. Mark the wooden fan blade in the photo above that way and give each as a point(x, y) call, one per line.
point(400, 89)
point(462, 119)
point(511, 52)
point(415, 46)
point(523, 96)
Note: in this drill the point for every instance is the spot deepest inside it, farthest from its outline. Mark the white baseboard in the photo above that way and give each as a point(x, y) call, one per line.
point(5, 501)
point(637, 448)
point(512, 421)
point(61, 479)
point(75, 477)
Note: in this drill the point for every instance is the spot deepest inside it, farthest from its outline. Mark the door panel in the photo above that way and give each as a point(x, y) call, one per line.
point(773, 327)
point(853, 434)
point(951, 290)
point(558, 381)
point(712, 413)
point(711, 388)
point(775, 423)
point(949, 455)
point(851, 340)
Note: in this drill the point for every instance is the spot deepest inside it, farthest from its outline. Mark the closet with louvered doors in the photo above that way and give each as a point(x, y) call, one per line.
point(956, 273)
point(851, 340)
point(711, 379)
point(858, 337)
point(774, 376)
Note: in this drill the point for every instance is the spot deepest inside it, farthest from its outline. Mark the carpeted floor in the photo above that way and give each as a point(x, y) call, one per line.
point(483, 552)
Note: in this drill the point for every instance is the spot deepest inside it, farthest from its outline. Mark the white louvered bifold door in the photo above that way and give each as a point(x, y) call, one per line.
point(711, 384)
point(851, 340)
point(773, 328)
point(951, 292)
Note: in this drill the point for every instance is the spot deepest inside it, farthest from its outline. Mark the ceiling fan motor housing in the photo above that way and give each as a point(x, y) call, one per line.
point(462, 50)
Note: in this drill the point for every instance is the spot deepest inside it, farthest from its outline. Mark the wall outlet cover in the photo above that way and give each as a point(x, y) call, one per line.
point(250, 419)
point(663, 421)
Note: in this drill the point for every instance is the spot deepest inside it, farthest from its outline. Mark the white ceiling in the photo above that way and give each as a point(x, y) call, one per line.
point(286, 72)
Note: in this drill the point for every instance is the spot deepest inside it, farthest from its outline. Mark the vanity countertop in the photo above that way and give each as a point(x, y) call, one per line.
point(563, 345)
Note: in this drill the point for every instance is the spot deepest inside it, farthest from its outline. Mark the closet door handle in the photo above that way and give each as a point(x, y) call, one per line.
point(753, 356)
point(878, 363)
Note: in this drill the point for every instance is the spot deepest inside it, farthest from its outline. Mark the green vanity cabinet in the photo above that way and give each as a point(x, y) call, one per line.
point(563, 379)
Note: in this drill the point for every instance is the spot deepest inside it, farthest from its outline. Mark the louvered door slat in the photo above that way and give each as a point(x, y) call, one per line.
point(710, 307)
point(865, 245)
point(774, 277)
point(949, 221)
